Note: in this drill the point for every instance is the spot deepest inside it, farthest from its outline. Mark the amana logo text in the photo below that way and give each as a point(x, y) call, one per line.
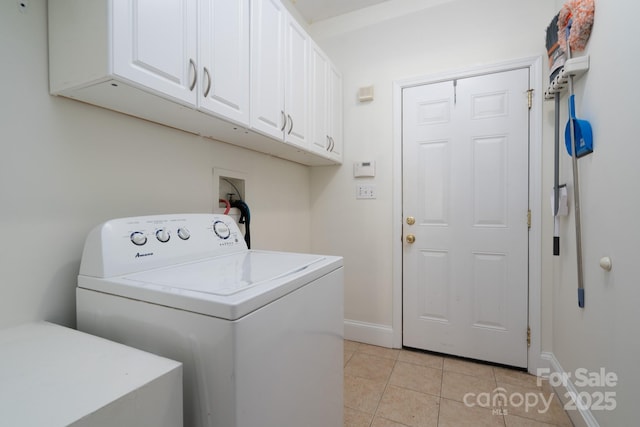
point(138, 255)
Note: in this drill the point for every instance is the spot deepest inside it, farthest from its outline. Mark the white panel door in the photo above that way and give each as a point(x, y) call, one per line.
point(154, 45)
point(267, 67)
point(465, 181)
point(224, 59)
point(296, 84)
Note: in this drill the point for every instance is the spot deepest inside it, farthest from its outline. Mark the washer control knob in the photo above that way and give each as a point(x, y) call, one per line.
point(183, 233)
point(163, 235)
point(221, 229)
point(138, 238)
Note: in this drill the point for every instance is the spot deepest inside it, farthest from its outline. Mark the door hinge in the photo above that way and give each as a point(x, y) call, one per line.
point(529, 219)
point(528, 336)
point(455, 92)
point(530, 98)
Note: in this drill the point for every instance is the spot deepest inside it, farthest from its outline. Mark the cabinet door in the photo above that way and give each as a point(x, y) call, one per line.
point(154, 46)
point(296, 84)
point(267, 67)
point(335, 113)
point(319, 96)
point(224, 59)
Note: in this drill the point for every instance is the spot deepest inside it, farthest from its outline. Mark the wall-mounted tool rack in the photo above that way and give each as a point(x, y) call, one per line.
point(575, 67)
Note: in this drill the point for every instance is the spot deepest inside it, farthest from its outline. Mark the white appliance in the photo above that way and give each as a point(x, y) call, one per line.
point(259, 333)
point(55, 376)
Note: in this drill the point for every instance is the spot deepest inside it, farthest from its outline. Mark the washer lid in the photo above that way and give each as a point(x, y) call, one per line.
point(230, 274)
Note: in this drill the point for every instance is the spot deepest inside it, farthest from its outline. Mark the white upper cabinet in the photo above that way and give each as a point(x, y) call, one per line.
point(335, 124)
point(296, 84)
point(232, 70)
point(156, 45)
point(267, 67)
point(325, 106)
point(319, 100)
point(224, 59)
point(279, 78)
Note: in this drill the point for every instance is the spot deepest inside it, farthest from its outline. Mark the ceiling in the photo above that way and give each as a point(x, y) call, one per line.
point(317, 10)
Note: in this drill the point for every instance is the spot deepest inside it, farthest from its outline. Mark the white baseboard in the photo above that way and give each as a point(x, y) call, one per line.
point(368, 333)
point(582, 417)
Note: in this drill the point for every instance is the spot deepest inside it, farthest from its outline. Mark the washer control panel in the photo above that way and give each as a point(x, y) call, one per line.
point(127, 245)
point(225, 231)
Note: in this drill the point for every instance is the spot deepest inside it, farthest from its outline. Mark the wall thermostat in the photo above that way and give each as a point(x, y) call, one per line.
point(364, 169)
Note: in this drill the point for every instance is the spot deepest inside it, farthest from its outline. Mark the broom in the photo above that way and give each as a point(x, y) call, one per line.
point(556, 62)
point(554, 51)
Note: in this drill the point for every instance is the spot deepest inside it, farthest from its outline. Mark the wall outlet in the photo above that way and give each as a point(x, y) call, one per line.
point(366, 191)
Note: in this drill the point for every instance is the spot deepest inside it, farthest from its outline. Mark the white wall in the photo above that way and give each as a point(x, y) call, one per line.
point(396, 40)
point(605, 333)
point(67, 166)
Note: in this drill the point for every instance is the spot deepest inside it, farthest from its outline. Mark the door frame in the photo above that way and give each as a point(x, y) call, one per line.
point(535, 191)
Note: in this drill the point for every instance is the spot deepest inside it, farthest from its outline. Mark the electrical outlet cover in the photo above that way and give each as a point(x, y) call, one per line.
point(366, 191)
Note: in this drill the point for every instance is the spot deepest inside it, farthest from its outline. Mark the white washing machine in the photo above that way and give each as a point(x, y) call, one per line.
point(259, 333)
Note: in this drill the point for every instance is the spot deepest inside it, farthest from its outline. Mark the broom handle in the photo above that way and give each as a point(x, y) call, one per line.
point(576, 187)
point(556, 166)
point(576, 198)
point(556, 177)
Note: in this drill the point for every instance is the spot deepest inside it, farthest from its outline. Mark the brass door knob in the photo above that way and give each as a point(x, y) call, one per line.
point(410, 238)
point(411, 220)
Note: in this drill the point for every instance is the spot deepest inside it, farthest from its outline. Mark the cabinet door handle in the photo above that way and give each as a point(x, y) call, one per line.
point(192, 64)
point(206, 91)
point(290, 124)
point(284, 121)
point(328, 147)
point(333, 144)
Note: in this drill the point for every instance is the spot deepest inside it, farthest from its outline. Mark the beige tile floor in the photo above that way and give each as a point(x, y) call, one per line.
point(395, 388)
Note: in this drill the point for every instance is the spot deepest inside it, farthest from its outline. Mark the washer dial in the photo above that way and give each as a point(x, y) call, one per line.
point(163, 235)
point(221, 229)
point(183, 233)
point(138, 238)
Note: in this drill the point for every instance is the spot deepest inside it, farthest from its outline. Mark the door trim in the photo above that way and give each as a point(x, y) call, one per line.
point(535, 191)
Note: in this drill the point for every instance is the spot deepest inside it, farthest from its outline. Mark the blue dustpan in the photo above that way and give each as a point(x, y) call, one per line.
point(582, 132)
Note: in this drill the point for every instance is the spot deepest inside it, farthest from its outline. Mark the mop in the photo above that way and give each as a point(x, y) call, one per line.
point(575, 21)
point(581, 13)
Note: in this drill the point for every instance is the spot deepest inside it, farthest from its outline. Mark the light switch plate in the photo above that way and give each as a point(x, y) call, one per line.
point(366, 191)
